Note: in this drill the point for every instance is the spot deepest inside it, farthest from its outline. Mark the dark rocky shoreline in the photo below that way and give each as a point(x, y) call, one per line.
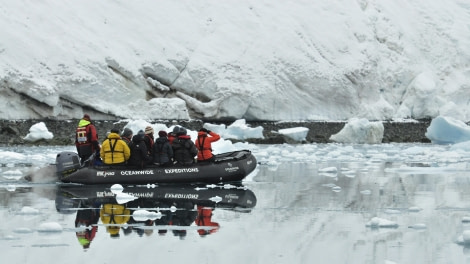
point(13, 131)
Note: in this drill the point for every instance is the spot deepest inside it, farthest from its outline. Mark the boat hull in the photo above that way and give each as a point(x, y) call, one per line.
point(228, 167)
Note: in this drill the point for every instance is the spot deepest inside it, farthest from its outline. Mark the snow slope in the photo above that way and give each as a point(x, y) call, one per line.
point(270, 60)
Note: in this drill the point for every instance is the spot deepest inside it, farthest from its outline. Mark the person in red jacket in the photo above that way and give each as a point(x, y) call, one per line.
point(86, 138)
point(204, 145)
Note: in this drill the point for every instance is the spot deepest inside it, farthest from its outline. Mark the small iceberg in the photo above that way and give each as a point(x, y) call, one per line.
point(377, 222)
point(117, 188)
point(216, 199)
point(26, 210)
point(464, 238)
point(50, 227)
point(122, 198)
point(418, 226)
point(414, 209)
point(144, 215)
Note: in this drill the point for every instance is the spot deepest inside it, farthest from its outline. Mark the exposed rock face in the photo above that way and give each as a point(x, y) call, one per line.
point(13, 131)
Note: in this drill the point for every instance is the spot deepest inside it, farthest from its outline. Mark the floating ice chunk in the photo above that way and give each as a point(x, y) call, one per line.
point(10, 237)
point(377, 222)
point(117, 188)
point(328, 174)
point(38, 131)
point(423, 170)
point(295, 133)
point(11, 187)
point(50, 227)
point(238, 130)
point(12, 175)
point(392, 211)
point(12, 172)
point(418, 226)
point(366, 192)
point(349, 173)
point(173, 209)
point(144, 215)
point(329, 170)
point(216, 199)
point(336, 189)
point(151, 185)
point(26, 210)
point(447, 130)
point(22, 230)
point(360, 131)
point(414, 209)
point(122, 198)
point(464, 238)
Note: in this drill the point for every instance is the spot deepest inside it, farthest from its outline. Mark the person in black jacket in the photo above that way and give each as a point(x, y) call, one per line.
point(139, 154)
point(184, 149)
point(162, 151)
point(127, 136)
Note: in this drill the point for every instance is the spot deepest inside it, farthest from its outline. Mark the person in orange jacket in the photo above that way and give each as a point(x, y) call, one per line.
point(204, 145)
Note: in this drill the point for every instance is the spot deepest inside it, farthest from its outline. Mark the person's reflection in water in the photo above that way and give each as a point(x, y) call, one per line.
point(147, 232)
point(114, 215)
point(183, 216)
point(164, 220)
point(141, 203)
point(204, 219)
point(87, 217)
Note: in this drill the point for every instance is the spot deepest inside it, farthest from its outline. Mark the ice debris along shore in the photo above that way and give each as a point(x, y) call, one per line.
point(442, 130)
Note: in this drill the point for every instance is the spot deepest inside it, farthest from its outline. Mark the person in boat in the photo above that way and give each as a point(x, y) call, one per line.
point(114, 216)
point(184, 149)
point(139, 153)
point(127, 136)
point(86, 138)
point(204, 145)
point(114, 150)
point(162, 151)
point(172, 135)
point(149, 139)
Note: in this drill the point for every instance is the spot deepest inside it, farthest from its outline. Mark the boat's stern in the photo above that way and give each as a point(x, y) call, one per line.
point(67, 163)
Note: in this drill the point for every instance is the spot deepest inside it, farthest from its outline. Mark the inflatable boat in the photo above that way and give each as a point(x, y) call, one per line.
point(227, 167)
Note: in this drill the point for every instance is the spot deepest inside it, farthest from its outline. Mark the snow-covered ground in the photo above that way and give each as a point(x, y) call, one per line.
point(266, 60)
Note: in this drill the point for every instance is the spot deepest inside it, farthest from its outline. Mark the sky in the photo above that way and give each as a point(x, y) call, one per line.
point(253, 60)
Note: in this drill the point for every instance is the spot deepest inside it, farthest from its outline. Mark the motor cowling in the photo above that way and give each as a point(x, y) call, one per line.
point(67, 163)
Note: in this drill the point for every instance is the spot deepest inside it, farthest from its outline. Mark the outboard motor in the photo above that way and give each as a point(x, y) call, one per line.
point(66, 163)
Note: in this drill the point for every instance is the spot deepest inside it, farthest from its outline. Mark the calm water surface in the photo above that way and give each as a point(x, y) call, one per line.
point(291, 210)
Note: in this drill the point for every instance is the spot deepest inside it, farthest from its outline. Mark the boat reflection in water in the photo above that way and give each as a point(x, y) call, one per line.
point(149, 209)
